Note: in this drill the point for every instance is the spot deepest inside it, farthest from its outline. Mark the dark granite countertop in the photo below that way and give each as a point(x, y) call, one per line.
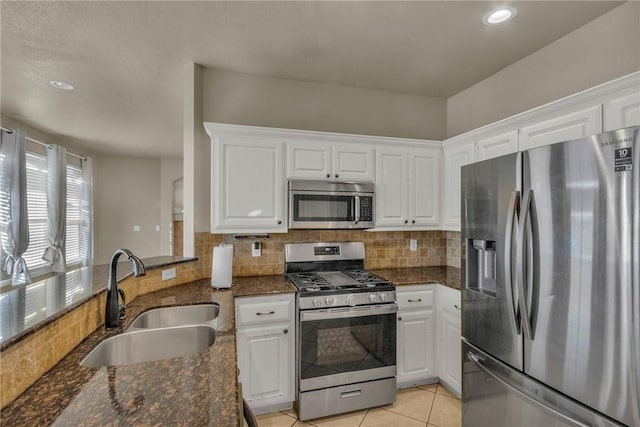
point(52, 297)
point(261, 285)
point(449, 276)
point(196, 390)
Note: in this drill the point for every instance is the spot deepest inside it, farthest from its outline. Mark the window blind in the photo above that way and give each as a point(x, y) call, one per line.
point(74, 214)
point(37, 212)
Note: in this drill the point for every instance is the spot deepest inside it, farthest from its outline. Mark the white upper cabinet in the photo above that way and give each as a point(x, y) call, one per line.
point(247, 184)
point(456, 155)
point(392, 204)
point(496, 146)
point(330, 161)
point(424, 186)
point(561, 128)
point(311, 160)
point(622, 111)
point(408, 187)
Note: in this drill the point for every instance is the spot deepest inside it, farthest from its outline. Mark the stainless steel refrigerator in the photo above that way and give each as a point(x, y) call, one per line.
point(551, 293)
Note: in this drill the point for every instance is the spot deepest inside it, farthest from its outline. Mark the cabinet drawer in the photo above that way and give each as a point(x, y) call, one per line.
point(414, 299)
point(251, 313)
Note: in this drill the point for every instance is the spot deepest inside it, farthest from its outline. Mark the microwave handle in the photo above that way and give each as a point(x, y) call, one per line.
point(357, 209)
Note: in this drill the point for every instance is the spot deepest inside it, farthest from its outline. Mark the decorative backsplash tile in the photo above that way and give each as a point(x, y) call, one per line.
point(453, 248)
point(386, 249)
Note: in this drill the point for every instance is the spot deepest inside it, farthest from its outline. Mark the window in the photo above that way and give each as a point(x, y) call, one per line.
point(37, 214)
point(74, 214)
point(37, 209)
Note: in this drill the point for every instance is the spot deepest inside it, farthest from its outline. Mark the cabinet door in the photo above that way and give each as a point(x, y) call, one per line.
point(449, 343)
point(456, 155)
point(353, 162)
point(248, 186)
point(266, 364)
point(391, 188)
point(623, 111)
point(496, 146)
point(563, 128)
point(424, 187)
point(415, 346)
point(309, 160)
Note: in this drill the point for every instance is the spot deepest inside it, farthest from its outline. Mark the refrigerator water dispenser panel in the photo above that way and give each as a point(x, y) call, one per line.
point(481, 266)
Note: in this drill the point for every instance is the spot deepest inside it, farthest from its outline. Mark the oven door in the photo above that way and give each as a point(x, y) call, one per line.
point(314, 209)
point(339, 346)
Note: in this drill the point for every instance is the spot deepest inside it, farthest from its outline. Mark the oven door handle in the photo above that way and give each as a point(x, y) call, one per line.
point(341, 313)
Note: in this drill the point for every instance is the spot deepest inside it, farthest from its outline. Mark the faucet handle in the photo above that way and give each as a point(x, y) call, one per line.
point(123, 306)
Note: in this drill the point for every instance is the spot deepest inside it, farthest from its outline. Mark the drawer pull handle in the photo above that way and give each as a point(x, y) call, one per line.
point(350, 394)
point(265, 314)
point(415, 300)
point(457, 306)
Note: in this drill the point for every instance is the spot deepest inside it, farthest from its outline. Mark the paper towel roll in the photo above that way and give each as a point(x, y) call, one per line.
point(222, 266)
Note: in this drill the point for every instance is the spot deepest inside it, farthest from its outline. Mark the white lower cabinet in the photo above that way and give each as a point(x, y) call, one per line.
point(415, 355)
point(428, 336)
point(449, 335)
point(265, 342)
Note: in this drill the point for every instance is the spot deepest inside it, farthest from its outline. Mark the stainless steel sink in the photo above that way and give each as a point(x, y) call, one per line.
point(178, 316)
point(147, 345)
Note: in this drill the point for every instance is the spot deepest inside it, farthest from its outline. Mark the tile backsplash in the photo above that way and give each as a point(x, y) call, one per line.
point(385, 249)
point(453, 248)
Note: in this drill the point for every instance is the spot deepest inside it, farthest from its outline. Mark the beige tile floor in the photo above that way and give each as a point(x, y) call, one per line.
point(425, 406)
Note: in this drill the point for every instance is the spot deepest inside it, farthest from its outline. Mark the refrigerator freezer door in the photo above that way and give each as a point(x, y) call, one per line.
point(497, 395)
point(489, 214)
point(582, 269)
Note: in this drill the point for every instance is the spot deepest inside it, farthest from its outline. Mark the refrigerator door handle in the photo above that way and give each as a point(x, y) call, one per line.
point(521, 252)
point(478, 362)
point(508, 240)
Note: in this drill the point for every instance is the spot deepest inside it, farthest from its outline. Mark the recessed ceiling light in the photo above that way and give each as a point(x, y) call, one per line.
point(61, 85)
point(499, 16)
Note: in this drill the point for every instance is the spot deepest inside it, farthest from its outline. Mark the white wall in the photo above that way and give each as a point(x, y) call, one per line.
point(126, 192)
point(600, 51)
point(246, 99)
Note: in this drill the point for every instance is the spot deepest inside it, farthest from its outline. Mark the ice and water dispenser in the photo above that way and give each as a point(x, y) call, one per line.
point(481, 266)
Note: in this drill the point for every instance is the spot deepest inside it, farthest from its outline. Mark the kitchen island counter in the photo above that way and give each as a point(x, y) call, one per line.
point(199, 389)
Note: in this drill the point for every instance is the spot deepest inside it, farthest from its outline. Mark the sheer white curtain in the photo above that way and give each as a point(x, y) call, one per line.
point(54, 255)
point(14, 226)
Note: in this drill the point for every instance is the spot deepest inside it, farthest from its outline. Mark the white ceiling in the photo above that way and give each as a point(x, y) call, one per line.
point(126, 59)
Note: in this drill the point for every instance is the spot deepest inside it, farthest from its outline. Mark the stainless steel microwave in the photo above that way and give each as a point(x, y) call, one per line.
point(333, 205)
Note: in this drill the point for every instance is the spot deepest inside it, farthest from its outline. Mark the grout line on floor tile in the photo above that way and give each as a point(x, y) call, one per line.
point(408, 416)
point(365, 416)
point(432, 403)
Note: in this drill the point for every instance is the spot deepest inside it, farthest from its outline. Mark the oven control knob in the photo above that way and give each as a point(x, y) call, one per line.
point(383, 297)
point(330, 300)
point(372, 297)
point(317, 302)
point(351, 300)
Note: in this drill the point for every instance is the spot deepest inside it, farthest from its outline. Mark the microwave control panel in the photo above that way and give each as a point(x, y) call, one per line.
point(366, 208)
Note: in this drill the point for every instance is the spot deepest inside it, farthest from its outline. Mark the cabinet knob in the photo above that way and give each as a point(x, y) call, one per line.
point(279, 222)
point(328, 175)
point(337, 175)
point(399, 319)
point(286, 331)
point(413, 221)
point(406, 221)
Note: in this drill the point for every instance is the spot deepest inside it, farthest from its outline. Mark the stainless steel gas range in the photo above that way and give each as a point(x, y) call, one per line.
point(346, 335)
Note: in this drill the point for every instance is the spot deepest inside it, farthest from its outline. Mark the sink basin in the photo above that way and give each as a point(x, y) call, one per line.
point(178, 316)
point(147, 345)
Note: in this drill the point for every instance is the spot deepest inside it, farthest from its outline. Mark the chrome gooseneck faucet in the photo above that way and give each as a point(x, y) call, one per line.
point(113, 308)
